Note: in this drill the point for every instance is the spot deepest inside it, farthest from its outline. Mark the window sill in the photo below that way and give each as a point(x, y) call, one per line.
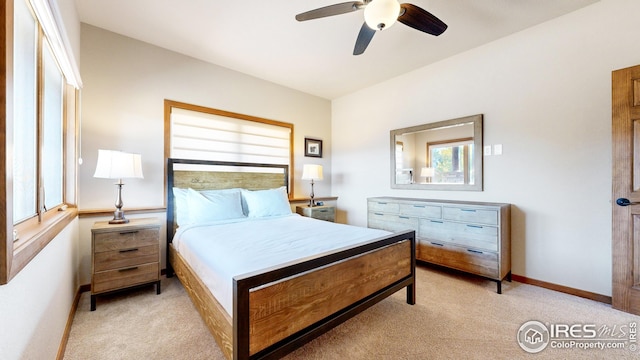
point(34, 238)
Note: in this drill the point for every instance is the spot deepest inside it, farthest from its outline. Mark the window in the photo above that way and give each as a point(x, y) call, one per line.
point(451, 161)
point(196, 132)
point(40, 125)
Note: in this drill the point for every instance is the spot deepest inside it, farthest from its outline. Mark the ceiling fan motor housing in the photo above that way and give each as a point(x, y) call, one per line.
point(381, 14)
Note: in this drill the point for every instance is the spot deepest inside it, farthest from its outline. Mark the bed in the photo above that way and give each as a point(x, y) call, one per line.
point(274, 308)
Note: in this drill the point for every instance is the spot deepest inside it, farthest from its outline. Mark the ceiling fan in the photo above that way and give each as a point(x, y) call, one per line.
point(379, 15)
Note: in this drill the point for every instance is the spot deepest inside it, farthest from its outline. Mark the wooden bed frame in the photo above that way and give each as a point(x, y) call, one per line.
point(276, 310)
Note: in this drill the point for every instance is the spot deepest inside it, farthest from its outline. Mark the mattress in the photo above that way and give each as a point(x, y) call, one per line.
point(218, 251)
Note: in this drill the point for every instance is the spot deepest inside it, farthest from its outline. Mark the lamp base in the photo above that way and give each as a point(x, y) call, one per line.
point(118, 218)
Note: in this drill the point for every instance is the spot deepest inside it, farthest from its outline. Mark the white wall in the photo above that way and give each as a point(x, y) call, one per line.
point(545, 95)
point(35, 304)
point(125, 84)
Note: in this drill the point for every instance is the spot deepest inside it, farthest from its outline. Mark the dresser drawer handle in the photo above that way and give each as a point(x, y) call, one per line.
point(437, 244)
point(128, 232)
point(379, 214)
point(475, 226)
point(468, 210)
point(323, 210)
point(404, 217)
point(128, 269)
point(420, 206)
point(475, 251)
point(382, 203)
point(436, 221)
point(128, 250)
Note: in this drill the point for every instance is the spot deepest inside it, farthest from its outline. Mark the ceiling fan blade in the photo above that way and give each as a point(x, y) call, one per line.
point(330, 10)
point(364, 38)
point(421, 19)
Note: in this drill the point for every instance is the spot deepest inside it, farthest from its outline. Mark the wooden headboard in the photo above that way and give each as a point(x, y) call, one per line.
point(217, 175)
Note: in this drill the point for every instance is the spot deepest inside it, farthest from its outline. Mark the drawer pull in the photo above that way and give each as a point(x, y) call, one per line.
point(468, 210)
point(128, 250)
point(128, 269)
point(420, 206)
point(436, 221)
point(475, 251)
point(404, 217)
point(437, 244)
point(382, 203)
point(128, 232)
point(475, 226)
point(323, 210)
point(379, 214)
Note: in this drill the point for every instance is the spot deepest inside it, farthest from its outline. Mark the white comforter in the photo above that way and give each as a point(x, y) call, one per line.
point(219, 251)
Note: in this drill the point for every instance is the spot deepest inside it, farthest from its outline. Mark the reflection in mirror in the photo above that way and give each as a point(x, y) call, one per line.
point(445, 155)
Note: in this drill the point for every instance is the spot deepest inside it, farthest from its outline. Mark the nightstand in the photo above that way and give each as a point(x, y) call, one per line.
point(323, 212)
point(124, 255)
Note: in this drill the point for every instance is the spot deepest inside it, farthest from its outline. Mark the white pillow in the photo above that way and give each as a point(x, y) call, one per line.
point(270, 202)
point(181, 206)
point(213, 206)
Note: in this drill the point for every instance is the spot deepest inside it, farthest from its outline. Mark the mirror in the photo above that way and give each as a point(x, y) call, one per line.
point(445, 155)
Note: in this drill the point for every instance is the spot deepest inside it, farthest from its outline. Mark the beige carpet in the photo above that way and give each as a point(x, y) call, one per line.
point(456, 317)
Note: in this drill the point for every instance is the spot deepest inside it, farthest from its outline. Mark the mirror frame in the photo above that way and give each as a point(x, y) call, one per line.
point(476, 120)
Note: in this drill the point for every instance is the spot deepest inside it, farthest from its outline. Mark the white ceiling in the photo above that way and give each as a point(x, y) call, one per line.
point(263, 39)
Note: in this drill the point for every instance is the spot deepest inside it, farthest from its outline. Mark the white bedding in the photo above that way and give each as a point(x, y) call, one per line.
point(218, 251)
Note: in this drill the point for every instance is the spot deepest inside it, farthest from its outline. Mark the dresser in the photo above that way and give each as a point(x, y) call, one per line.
point(474, 237)
point(124, 255)
point(320, 212)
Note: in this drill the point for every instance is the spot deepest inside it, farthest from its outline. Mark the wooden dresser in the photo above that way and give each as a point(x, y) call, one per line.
point(474, 237)
point(320, 212)
point(124, 255)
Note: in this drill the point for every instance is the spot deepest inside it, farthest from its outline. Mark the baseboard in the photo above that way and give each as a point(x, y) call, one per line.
point(564, 289)
point(72, 313)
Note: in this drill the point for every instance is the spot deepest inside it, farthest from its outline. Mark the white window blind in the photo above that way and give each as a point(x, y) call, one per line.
point(203, 136)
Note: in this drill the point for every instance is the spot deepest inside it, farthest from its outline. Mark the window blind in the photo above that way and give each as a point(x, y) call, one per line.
point(203, 136)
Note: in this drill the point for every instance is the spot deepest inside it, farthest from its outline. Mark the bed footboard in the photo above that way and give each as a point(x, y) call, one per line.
point(276, 311)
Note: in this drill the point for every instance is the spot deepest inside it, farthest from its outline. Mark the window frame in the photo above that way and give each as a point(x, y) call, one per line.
point(468, 165)
point(35, 232)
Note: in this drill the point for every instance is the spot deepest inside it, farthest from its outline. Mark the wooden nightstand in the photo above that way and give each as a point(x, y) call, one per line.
point(124, 255)
point(323, 212)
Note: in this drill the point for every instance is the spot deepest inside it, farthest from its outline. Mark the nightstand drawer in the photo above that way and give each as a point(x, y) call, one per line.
point(321, 212)
point(116, 279)
point(115, 259)
point(126, 239)
point(327, 214)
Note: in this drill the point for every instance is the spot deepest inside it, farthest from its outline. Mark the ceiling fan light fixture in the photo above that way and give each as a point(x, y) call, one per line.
point(381, 14)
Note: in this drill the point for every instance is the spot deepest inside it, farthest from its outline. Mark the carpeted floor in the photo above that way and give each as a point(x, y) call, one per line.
point(456, 317)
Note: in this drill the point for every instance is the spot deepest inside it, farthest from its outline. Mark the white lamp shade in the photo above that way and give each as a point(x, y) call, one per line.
point(427, 172)
point(381, 14)
point(312, 172)
point(118, 165)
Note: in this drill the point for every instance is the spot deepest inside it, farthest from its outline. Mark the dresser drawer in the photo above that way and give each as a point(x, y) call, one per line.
point(470, 260)
point(122, 240)
point(129, 276)
point(479, 216)
point(383, 206)
point(423, 211)
point(115, 259)
point(477, 236)
point(391, 222)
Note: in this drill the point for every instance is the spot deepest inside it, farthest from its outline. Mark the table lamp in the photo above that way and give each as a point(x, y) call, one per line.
point(312, 172)
point(118, 165)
